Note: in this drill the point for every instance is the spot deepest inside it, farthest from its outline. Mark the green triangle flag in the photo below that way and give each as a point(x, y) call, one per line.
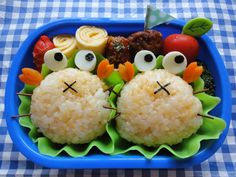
point(155, 17)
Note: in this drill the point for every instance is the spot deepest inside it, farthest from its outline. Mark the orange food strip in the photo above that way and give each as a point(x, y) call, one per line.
point(30, 76)
point(121, 70)
point(130, 70)
point(104, 69)
point(126, 71)
point(198, 72)
point(191, 66)
point(192, 72)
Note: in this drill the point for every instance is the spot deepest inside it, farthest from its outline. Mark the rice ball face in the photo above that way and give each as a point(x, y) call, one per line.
point(72, 114)
point(151, 116)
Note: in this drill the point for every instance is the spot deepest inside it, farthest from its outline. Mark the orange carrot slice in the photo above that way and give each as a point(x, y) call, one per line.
point(126, 71)
point(30, 76)
point(192, 72)
point(198, 72)
point(104, 69)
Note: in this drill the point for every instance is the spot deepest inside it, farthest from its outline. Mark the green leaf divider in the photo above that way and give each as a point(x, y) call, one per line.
point(45, 71)
point(159, 61)
point(113, 79)
point(71, 61)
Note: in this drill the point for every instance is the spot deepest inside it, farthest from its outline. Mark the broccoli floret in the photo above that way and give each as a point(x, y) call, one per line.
point(208, 79)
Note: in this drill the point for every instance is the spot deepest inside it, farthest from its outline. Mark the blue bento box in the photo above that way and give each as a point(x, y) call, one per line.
point(24, 58)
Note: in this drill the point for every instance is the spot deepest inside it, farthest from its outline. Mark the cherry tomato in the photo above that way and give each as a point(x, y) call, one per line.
point(41, 47)
point(185, 44)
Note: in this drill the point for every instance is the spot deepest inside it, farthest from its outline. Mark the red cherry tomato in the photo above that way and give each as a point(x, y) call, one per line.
point(41, 47)
point(185, 44)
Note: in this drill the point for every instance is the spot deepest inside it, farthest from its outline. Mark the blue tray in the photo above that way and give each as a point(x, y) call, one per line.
point(24, 58)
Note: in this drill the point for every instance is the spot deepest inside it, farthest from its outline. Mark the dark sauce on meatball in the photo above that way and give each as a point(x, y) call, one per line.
point(146, 40)
point(117, 50)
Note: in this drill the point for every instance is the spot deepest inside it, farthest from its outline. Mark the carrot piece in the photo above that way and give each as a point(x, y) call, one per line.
point(198, 72)
point(30, 76)
point(187, 76)
point(192, 72)
point(104, 69)
point(126, 71)
point(130, 70)
point(191, 66)
point(122, 71)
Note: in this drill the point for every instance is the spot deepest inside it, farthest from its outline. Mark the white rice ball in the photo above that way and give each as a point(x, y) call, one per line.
point(155, 119)
point(70, 117)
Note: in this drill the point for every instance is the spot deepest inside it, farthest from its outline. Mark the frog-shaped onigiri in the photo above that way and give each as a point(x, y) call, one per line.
point(157, 106)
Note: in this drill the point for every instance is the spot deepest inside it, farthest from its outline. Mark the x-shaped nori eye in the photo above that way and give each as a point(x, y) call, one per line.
point(69, 86)
point(162, 87)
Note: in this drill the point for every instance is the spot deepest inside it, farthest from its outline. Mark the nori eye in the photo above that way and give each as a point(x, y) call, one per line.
point(58, 56)
point(148, 58)
point(89, 57)
point(179, 59)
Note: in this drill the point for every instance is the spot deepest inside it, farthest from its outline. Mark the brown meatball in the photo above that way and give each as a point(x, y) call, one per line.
point(146, 40)
point(117, 50)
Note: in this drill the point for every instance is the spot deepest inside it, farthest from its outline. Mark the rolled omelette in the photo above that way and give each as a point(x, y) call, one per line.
point(66, 43)
point(91, 38)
